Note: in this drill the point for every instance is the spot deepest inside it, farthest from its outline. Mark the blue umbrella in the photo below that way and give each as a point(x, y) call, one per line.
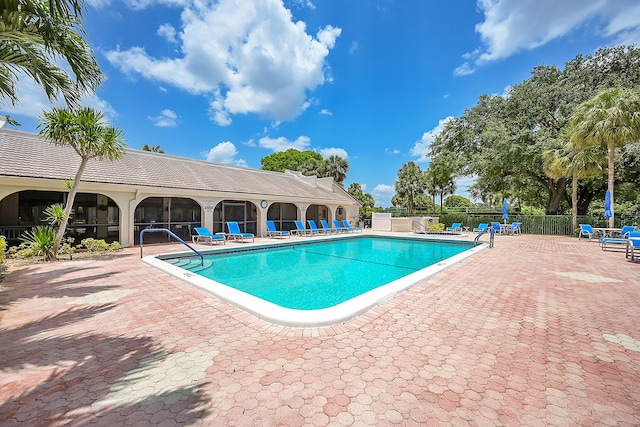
point(607, 205)
point(505, 210)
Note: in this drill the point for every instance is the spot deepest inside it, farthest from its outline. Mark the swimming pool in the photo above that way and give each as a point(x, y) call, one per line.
point(316, 283)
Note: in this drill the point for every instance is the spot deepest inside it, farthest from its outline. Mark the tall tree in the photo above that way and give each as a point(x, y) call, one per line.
point(411, 182)
point(610, 119)
point(33, 36)
point(295, 160)
point(90, 135)
point(152, 148)
point(501, 140)
point(366, 200)
point(335, 167)
point(441, 175)
point(576, 163)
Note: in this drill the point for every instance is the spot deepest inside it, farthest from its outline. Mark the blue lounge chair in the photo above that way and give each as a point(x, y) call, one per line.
point(515, 228)
point(625, 232)
point(273, 232)
point(350, 229)
point(205, 236)
point(326, 227)
point(633, 245)
point(456, 226)
point(235, 233)
point(301, 230)
point(496, 227)
point(587, 230)
point(314, 228)
point(338, 226)
point(481, 227)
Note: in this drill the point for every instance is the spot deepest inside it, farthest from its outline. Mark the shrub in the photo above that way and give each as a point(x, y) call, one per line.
point(99, 245)
point(94, 245)
point(3, 248)
point(40, 240)
point(436, 227)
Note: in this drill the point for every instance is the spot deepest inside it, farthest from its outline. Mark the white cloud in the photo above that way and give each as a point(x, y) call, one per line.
point(282, 144)
point(331, 151)
point(326, 112)
point(225, 152)
point(167, 118)
point(168, 32)
point(421, 148)
point(242, 61)
point(512, 26)
point(382, 193)
point(391, 151)
point(354, 47)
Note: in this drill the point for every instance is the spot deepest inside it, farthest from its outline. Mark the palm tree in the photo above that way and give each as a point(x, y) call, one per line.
point(571, 161)
point(410, 183)
point(610, 119)
point(336, 167)
point(34, 35)
point(86, 131)
point(152, 148)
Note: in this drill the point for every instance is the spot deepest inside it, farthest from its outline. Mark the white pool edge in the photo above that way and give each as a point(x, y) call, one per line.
point(283, 316)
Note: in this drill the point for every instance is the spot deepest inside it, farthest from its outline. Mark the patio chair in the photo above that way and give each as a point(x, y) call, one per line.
point(496, 227)
point(326, 227)
point(350, 229)
point(456, 226)
point(314, 228)
point(339, 226)
point(481, 227)
point(273, 232)
point(301, 230)
point(235, 233)
point(587, 230)
point(621, 240)
point(205, 236)
point(515, 228)
point(633, 245)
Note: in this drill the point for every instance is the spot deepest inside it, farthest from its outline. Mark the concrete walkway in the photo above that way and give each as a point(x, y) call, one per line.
point(537, 331)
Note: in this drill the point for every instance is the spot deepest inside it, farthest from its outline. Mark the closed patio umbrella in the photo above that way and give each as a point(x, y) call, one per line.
point(505, 210)
point(607, 205)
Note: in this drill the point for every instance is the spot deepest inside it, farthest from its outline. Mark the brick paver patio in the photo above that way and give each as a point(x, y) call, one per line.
point(537, 331)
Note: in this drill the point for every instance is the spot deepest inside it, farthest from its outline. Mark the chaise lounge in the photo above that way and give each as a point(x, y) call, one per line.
point(273, 232)
point(205, 236)
point(235, 233)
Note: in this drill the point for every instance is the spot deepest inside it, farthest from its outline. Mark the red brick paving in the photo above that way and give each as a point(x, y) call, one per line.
point(538, 330)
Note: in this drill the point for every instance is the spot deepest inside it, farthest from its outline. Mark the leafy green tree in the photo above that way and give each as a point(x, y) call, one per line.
point(501, 140)
point(152, 148)
point(456, 201)
point(366, 200)
point(90, 135)
point(335, 167)
point(579, 164)
point(441, 177)
point(293, 159)
point(34, 36)
point(611, 119)
point(411, 182)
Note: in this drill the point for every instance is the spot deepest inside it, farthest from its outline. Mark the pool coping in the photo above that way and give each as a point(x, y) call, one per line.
point(283, 316)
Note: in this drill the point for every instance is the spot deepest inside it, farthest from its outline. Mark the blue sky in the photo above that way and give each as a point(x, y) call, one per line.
point(232, 81)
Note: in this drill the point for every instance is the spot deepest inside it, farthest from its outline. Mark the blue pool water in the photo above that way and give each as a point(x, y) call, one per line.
point(317, 275)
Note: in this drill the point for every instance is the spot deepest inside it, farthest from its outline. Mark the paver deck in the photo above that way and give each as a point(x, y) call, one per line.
point(539, 330)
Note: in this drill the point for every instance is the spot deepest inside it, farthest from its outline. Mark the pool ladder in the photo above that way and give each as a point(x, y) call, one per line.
point(490, 230)
point(164, 230)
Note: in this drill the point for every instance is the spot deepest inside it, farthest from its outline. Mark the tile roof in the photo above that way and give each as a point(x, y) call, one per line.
point(27, 155)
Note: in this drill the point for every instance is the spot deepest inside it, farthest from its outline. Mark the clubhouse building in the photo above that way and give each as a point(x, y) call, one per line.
point(117, 200)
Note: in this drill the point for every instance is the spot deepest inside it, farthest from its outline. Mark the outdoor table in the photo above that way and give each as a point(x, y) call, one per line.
point(607, 232)
point(506, 228)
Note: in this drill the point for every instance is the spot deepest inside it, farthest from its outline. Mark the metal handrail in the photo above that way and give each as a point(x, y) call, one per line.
point(413, 222)
point(164, 230)
point(476, 241)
